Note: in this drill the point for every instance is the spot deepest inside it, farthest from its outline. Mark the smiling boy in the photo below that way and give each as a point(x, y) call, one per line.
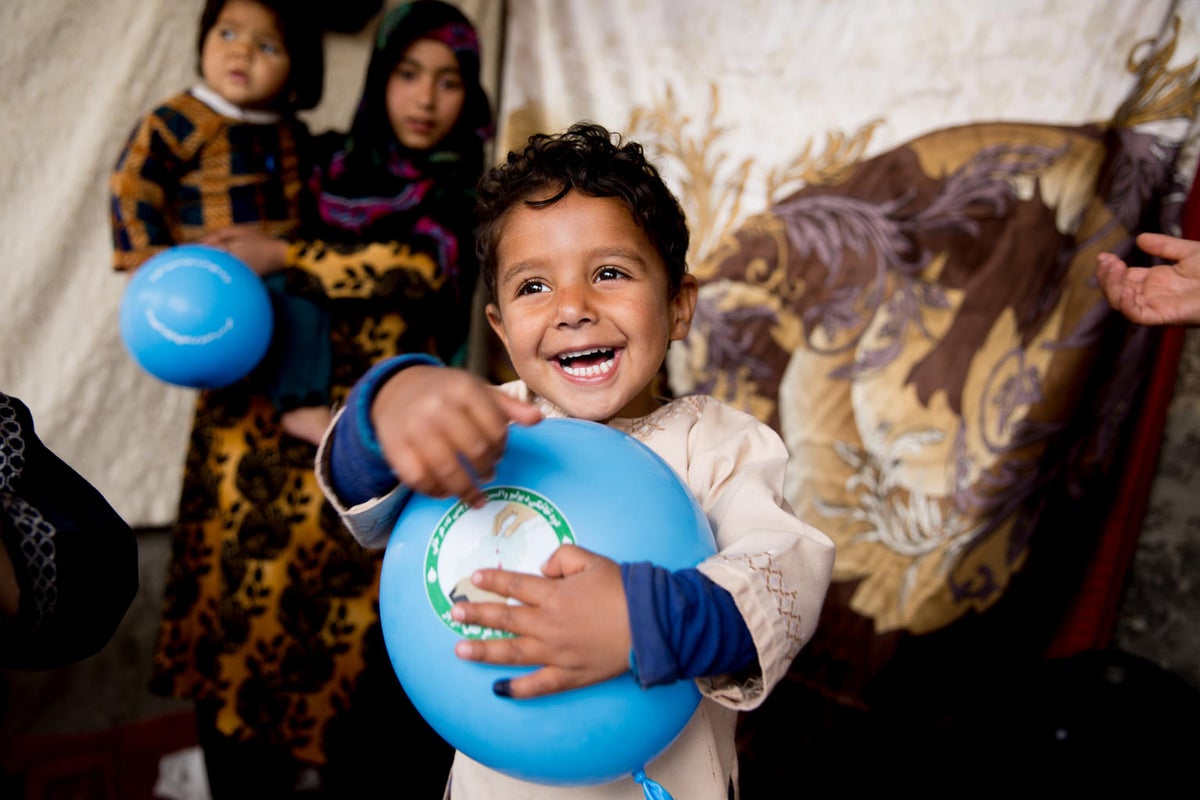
point(583, 250)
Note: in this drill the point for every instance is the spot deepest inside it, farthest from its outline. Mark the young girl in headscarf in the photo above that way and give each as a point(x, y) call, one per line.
point(270, 616)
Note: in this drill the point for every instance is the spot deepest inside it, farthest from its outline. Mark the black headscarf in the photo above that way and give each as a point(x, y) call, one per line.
point(368, 186)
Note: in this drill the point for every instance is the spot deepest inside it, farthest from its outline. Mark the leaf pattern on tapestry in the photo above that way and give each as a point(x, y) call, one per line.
point(826, 226)
point(895, 291)
point(1162, 92)
point(711, 185)
point(909, 523)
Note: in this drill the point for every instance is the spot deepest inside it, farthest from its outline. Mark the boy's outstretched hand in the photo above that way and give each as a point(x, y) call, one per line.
point(574, 622)
point(1168, 294)
point(443, 430)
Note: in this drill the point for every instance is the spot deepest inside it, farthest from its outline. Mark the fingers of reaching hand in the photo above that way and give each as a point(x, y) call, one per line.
point(1110, 275)
point(1172, 248)
point(511, 517)
point(1163, 246)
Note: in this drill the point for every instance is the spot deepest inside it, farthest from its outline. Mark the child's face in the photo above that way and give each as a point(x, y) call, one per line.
point(425, 94)
point(582, 306)
point(244, 59)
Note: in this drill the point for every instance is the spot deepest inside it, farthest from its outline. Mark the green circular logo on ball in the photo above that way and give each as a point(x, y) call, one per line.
point(517, 529)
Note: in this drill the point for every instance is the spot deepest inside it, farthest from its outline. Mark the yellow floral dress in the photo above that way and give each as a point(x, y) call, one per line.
point(268, 599)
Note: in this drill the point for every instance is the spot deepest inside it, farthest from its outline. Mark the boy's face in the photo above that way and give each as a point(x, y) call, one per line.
point(243, 58)
point(582, 306)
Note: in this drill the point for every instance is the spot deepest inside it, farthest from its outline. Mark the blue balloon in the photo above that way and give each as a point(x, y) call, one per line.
point(196, 316)
point(561, 481)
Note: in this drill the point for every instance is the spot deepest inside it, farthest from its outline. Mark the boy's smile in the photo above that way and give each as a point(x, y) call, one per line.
point(582, 306)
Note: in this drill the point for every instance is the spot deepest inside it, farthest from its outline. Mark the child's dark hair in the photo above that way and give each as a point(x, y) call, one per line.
point(591, 160)
point(301, 37)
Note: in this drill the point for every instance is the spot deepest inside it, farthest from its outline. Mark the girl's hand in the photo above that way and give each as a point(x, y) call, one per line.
point(574, 622)
point(262, 253)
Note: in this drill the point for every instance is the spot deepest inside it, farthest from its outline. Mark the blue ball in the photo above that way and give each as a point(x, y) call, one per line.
point(196, 316)
point(561, 481)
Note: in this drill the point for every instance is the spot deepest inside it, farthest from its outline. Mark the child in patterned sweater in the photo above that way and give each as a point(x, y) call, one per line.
point(230, 151)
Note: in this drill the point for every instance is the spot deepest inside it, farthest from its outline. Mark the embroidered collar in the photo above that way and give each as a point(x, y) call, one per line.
point(227, 109)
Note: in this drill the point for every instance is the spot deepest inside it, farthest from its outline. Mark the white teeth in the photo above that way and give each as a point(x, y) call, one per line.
point(589, 371)
point(580, 353)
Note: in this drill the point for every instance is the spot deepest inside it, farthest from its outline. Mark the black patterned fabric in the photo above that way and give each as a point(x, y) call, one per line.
point(75, 559)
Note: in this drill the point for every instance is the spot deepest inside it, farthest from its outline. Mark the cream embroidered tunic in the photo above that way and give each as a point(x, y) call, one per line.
point(776, 567)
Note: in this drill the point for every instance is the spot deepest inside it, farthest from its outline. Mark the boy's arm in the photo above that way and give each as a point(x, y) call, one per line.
point(683, 626)
point(775, 566)
point(410, 425)
point(590, 619)
point(358, 470)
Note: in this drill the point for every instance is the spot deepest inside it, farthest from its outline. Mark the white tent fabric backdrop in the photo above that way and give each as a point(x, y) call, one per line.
point(749, 85)
point(745, 85)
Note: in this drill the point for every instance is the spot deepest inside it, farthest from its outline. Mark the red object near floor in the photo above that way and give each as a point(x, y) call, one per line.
point(118, 763)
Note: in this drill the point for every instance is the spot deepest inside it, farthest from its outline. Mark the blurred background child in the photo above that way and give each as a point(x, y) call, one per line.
point(270, 621)
point(231, 150)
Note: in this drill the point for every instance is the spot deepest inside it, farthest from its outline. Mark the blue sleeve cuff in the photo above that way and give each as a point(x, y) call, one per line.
point(358, 469)
point(683, 626)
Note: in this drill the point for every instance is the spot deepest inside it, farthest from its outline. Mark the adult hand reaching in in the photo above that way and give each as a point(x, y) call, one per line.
point(1167, 294)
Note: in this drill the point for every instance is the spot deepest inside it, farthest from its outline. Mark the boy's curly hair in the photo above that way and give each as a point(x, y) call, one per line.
point(592, 160)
